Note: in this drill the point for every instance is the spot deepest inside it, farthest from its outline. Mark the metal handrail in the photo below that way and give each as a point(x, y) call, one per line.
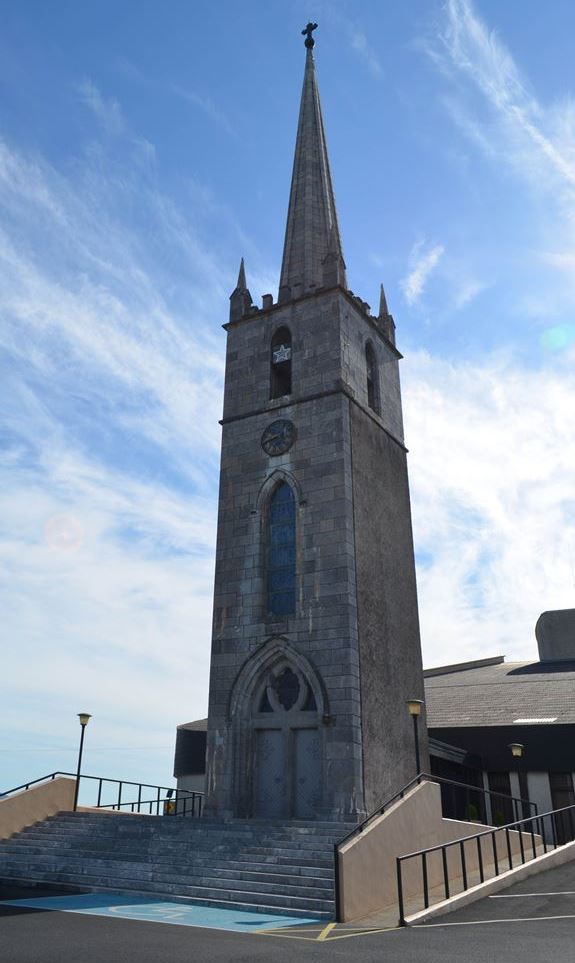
point(421, 777)
point(177, 805)
point(536, 825)
point(442, 780)
point(381, 809)
point(181, 795)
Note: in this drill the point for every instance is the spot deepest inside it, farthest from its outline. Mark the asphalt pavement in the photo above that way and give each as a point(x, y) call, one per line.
point(531, 922)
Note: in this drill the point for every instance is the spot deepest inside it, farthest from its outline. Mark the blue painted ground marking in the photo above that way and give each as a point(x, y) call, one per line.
point(153, 910)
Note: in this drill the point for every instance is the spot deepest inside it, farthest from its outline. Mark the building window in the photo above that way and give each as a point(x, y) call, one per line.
point(372, 378)
point(287, 688)
point(281, 552)
point(524, 794)
point(280, 381)
point(562, 795)
point(502, 811)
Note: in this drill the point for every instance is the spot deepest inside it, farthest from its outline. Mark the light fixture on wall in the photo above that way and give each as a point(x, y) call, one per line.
point(414, 707)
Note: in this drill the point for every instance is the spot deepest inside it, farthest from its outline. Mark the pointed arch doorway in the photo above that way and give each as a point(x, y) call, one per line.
point(278, 708)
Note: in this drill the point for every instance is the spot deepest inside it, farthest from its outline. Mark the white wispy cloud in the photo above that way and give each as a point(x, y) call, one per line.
point(361, 45)
point(491, 469)
point(108, 111)
point(207, 105)
point(423, 260)
point(466, 291)
point(537, 139)
point(111, 392)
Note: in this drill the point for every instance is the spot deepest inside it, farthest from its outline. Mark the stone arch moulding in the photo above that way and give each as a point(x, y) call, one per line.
point(278, 475)
point(275, 650)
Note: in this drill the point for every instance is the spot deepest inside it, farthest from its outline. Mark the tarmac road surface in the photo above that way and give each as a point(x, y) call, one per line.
point(531, 922)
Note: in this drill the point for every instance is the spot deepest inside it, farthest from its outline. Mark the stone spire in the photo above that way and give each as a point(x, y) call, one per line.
point(240, 298)
point(312, 254)
point(384, 317)
point(241, 285)
point(383, 312)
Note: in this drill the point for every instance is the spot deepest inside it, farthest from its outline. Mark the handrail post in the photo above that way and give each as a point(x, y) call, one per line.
point(480, 860)
point(495, 859)
point(119, 796)
point(463, 864)
point(400, 892)
point(338, 918)
point(99, 800)
point(445, 871)
point(425, 883)
point(521, 842)
point(554, 830)
point(542, 833)
point(533, 846)
point(139, 795)
point(509, 849)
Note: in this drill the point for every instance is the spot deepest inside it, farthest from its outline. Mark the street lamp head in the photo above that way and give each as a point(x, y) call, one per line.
point(516, 749)
point(414, 706)
point(84, 717)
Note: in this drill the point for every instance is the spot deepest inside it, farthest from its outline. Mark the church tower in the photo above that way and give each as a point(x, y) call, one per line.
point(315, 646)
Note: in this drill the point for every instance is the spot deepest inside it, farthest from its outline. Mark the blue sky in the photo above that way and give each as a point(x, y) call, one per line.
point(144, 148)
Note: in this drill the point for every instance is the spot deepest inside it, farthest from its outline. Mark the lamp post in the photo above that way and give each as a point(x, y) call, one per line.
point(414, 706)
point(517, 753)
point(84, 718)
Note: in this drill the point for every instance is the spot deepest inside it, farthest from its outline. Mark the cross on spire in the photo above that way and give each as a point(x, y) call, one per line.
point(307, 32)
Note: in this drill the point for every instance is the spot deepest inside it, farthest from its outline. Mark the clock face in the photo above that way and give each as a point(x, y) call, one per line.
point(278, 437)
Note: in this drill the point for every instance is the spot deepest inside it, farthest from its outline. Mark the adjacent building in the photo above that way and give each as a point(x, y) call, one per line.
point(476, 711)
point(486, 706)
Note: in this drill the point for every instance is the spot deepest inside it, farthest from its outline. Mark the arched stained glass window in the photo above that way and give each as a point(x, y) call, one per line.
point(372, 377)
point(280, 380)
point(281, 552)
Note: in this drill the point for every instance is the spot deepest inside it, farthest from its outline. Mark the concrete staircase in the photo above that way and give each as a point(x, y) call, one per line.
point(271, 866)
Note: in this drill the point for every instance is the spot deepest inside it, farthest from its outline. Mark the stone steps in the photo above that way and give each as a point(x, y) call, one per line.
point(173, 894)
point(281, 866)
point(234, 868)
point(114, 850)
point(186, 846)
point(178, 829)
point(320, 865)
point(180, 825)
point(290, 886)
point(273, 901)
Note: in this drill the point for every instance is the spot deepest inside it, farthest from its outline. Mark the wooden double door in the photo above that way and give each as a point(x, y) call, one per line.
point(287, 783)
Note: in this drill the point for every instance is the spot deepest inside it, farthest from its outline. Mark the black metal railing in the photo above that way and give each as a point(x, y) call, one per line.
point(476, 855)
point(447, 812)
point(150, 800)
point(446, 784)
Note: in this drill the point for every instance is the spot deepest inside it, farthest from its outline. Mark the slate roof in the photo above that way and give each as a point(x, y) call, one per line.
point(492, 692)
